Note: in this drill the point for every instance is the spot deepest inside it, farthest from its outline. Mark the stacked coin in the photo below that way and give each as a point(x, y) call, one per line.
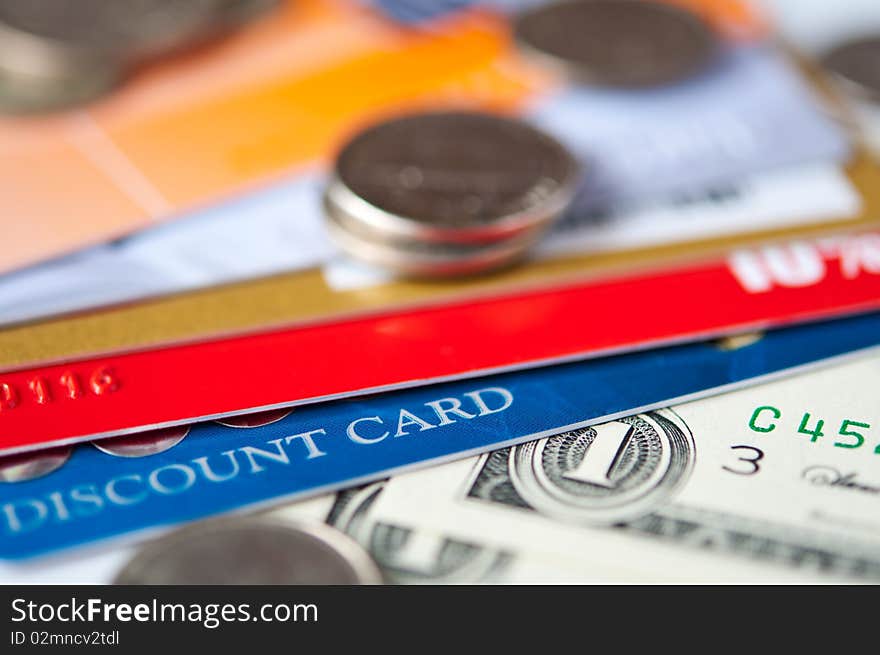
point(60, 53)
point(22, 467)
point(253, 550)
point(620, 43)
point(855, 69)
point(438, 194)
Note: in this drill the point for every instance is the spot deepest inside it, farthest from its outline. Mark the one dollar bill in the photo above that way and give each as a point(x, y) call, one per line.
point(780, 482)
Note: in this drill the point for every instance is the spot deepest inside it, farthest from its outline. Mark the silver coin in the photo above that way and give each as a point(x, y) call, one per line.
point(29, 466)
point(143, 444)
point(120, 27)
point(22, 93)
point(452, 177)
point(426, 259)
point(255, 420)
point(856, 65)
point(56, 54)
point(229, 16)
point(621, 43)
point(357, 226)
point(233, 13)
point(35, 76)
point(252, 551)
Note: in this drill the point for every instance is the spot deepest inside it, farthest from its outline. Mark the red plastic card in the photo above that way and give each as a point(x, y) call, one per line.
point(117, 394)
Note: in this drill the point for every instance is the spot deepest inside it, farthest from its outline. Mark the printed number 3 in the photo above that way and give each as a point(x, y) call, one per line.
point(754, 467)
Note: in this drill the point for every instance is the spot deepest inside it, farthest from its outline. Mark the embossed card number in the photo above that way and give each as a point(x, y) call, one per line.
point(70, 385)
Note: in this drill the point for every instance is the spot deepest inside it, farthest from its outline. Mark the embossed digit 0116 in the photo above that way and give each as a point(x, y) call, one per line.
point(69, 385)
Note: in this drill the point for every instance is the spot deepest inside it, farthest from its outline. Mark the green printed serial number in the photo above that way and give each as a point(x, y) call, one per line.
point(851, 433)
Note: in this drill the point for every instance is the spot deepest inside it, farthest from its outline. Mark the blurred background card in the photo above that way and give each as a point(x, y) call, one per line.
point(738, 146)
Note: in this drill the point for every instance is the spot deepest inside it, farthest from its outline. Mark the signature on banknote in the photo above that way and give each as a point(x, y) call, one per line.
point(828, 476)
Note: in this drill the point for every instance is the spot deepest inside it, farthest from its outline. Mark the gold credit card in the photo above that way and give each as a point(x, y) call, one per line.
point(305, 296)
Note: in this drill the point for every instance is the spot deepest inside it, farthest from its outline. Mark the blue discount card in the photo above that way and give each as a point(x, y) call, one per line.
point(96, 495)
